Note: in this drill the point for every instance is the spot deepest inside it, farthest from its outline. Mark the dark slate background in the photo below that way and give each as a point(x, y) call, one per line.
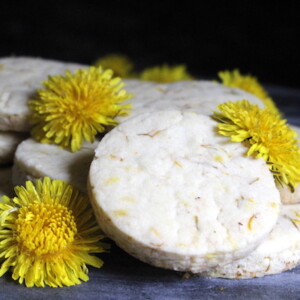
point(257, 38)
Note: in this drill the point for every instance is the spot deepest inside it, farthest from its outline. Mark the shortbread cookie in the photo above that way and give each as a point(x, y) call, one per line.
point(19, 79)
point(286, 195)
point(199, 96)
point(278, 253)
point(8, 144)
point(34, 160)
point(21, 76)
point(174, 193)
point(6, 187)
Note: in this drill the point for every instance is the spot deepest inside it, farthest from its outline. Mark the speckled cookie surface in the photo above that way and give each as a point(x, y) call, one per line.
point(286, 195)
point(6, 186)
point(280, 252)
point(19, 78)
point(34, 160)
point(198, 96)
point(172, 192)
point(8, 144)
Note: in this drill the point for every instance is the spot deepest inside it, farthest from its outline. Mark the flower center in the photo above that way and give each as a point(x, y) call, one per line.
point(43, 229)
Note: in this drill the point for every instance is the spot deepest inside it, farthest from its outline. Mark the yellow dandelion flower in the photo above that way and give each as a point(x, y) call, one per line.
point(121, 65)
point(249, 84)
point(47, 235)
point(166, 73)
point(75, 107)
point(266, 134)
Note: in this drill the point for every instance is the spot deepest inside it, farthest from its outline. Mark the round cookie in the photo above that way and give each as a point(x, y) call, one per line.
point(198, 95)
point(34, 160)
point(173, 193)
point(21, 76)
point(6, 187)
point(8, 144)
point(278, 253)
point(286, 196)
point(19, 79)
point(289, 197)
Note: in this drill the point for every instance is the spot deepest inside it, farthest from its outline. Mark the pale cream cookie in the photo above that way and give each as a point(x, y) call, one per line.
point(34, 160)
point(169, 190)
point(287, 196)
point(21, 76)
point(19, 79)
point(200, 96)
point(278, 253)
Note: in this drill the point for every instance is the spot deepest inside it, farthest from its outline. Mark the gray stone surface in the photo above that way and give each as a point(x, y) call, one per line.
point(123, 277)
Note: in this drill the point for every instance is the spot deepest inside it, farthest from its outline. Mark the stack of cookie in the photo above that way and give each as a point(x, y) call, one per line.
point(19, 79)
point(175, 194)
point(35, 160)
point(165, 186)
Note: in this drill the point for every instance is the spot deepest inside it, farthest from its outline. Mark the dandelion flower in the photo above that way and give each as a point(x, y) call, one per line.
point(119, 64)
point(249, 84)
point(266, 134)
point(166, 73)
point(47, 235)
point(75, 107)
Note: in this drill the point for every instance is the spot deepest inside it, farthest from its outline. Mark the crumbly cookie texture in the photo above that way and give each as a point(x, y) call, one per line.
point(21, 76)
point(8, 145)
point(34, 160)
point(278, 253)
point(6, 187)
point(286, 196)
point(198, 96)
point(173, 193)
point(19, 79)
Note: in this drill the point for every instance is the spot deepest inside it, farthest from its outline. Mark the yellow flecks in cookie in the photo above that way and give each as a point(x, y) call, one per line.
point(184, 203)
point(218, 158)
point(210, 256)
point(112, 156)
point(128, 199)
point(177, 163)
point(250, 203)
point(250, 222)
point(273, 205)
point(225, 188)
point(155, 231)
point(232, 243)
point(132, 169)
point(120, 213)
point(151, 134)
point(111, 180)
